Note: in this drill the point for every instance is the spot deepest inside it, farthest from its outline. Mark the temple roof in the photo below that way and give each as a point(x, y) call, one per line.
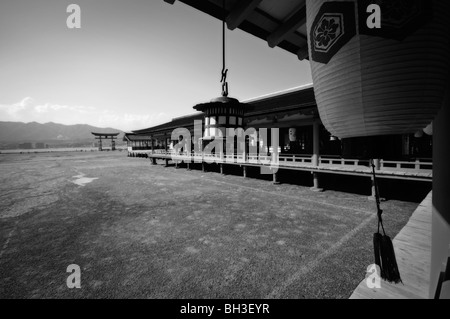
point(299, 99)
point(135, 137)
point(184, 121)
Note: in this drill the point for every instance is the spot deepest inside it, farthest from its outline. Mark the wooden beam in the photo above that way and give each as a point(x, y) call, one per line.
point(240, 12)
point(290, 25)
point(253, 27)
point(303, 53)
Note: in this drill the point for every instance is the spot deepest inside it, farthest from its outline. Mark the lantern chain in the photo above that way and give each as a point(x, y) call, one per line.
point(223, 79)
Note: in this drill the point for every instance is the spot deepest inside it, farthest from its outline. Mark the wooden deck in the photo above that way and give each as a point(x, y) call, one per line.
point(413, 251)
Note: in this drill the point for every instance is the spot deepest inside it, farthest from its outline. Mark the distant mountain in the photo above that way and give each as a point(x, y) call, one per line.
point(19, 132)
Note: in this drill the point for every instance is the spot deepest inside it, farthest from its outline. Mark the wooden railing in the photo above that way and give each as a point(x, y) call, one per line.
point(295, 160)
point(416, 165)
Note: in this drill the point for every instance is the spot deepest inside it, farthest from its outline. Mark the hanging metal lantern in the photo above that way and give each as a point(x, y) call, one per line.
point(222, 112)
point(380, 81)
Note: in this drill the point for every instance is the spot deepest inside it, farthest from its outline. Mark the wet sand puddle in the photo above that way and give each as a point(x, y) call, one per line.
point(81, 180)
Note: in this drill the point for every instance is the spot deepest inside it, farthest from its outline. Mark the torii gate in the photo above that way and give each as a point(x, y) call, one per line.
point(99, 136)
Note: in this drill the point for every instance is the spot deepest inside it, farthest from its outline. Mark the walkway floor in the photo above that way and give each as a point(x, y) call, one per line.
point(413, 251)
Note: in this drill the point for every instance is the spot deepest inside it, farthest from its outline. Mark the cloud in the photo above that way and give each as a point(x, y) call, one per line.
point(45, 108)
point(14, 108)
point(27, 110)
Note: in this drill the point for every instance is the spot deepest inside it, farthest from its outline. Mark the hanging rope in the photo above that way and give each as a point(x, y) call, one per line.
point(224, 69)
point(377, 199)
point(383, 247)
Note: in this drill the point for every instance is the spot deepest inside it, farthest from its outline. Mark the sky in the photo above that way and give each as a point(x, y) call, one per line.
point(133, 63)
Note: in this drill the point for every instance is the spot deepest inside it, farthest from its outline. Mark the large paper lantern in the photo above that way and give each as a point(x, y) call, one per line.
point(380, 81)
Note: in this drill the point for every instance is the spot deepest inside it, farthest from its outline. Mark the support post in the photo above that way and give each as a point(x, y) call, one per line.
point(152, 143)
point(316, 144)
point(100, 144)
point(316, 187)
point(221, 169)
point(203, 167)
point(315, 157)
point(275, 179)
point(440, 220)
point(188, 166)
point(373, 192)
point(244, 171)
point(167, 162)
point(165, 143)
point(377, 164)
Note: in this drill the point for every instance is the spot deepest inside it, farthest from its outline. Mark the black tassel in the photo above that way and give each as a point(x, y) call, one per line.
point(390, 268)
point(383, 247)
point(377, 249)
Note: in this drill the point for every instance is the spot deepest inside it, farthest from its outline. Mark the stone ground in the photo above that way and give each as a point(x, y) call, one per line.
point(143, 231)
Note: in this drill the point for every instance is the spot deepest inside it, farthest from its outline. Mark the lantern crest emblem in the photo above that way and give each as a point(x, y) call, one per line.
point(327, 32)
point(332, 28)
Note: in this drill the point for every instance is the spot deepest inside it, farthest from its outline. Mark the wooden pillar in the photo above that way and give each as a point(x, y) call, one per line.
point(440, 220)
point(167, 162)
point(221, 169)
point(188, 166)
point(275, 179)
point(152, 143)
point(315, 157)
point(203, 167)
point(100, 144)
point(376, 162)
point(316, 144)
point(113, 144)
point(373, 191)
point(153, 161)
point(165, 143)
point(244, 171)
point(316, 186)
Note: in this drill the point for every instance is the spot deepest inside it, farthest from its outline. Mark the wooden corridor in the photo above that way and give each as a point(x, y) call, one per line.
point(413, 252)
point(417, 171)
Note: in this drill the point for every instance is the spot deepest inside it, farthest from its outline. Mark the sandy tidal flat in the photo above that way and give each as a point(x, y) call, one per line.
point(143, 231)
